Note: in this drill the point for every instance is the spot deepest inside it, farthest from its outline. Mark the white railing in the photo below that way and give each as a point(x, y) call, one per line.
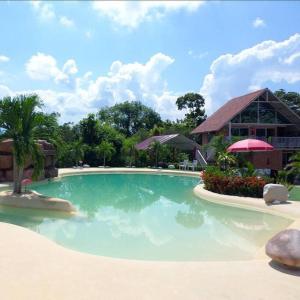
point(201, 159)
point(285, 142)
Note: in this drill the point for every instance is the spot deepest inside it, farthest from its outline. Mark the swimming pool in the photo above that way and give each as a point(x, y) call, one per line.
point(147, 217)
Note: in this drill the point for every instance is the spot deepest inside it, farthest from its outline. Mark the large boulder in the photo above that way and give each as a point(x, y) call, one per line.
point(275, 192)
point(6, 162)
point(284, 247)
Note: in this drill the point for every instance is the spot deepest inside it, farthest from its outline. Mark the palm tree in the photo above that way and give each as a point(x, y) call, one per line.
point(225, 160)
point(294, 166)
point(106, 149)
point(77, 151)
point(129, 150)
point(156, 147)
point(18, 118)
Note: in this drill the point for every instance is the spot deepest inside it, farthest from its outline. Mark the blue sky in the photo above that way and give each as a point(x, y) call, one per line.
point(80, 56)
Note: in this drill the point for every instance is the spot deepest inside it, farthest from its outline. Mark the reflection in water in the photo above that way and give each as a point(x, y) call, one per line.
point(153, 217)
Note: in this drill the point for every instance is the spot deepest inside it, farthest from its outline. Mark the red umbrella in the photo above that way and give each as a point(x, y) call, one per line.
point(250, 145)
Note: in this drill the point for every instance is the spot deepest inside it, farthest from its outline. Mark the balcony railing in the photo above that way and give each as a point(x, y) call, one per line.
point(277, 142)
point(285, 142)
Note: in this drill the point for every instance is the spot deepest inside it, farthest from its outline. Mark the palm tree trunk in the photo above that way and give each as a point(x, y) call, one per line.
point(18, 176)
point(104, 160)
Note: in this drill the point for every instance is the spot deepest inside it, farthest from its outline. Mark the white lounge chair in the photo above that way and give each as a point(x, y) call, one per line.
point(193, 165)
point(183, 165)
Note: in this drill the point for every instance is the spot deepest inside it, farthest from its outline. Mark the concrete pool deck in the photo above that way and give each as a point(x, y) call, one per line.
point(33, 267)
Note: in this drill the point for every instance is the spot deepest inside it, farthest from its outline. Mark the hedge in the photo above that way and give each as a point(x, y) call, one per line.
point(234, 185)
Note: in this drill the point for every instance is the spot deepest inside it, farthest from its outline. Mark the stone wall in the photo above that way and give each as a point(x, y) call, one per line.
point(6, 161)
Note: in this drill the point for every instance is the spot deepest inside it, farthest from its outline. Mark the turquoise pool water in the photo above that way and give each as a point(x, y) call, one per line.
point(147, 217)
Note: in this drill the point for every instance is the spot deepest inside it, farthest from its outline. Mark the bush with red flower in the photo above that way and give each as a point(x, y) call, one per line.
point(228, 183)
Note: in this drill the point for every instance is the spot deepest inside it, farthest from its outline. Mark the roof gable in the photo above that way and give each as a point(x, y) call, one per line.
point(175, 140)
point(226, 112)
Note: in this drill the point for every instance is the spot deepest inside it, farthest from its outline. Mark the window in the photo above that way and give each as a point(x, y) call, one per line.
point(249, 115)
point(281, 119)
point(235, 131)
point(244, 132)
point(236, 119)
point(267, 113)
point(239, 131)
point(261, 132)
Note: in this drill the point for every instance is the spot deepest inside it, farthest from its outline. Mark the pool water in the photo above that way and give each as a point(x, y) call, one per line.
point(147, 217)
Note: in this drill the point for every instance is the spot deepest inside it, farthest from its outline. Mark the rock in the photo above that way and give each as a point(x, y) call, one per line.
point(284, 247)
point(275, 192)
point(51, 172)
point(6, 162)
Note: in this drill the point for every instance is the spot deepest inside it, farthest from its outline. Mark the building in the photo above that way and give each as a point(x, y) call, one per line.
point(259, 115)
point(6, 161)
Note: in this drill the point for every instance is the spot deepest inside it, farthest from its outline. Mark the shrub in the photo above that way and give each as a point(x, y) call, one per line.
point(234, 185)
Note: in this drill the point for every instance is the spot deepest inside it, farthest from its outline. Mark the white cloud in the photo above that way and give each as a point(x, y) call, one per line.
point(236, 74)
point(66, 22)
point(132, 13)
point(4, 58)
point(196, 55)
point(44, 10)
point(291, 59)
point(88, 34)
point(258, 22)
point(44, 67)
point(132, 81)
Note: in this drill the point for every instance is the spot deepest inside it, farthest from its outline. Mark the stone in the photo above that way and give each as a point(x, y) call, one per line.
point(51, 172)
point(8, 175)
point(284, 247)
point(6, 162)
point(275, 192)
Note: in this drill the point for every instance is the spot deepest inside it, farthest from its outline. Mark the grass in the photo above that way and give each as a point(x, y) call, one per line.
point(295, 193)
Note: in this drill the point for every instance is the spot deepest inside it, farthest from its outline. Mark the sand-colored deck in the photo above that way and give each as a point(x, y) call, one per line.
point(33, 267)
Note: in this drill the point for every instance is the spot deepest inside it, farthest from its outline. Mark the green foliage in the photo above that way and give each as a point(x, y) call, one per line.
point(283, 178)
point(248, 170)
point(294, 165)
point(292, 99)
point(129, 117)
point(219, 144)
point(194, 104)
point(129, 151)
point(20, 119)
point(222, 183)
point(225, 160)
point(106, 149)
point(155, 149)
point(89, 129)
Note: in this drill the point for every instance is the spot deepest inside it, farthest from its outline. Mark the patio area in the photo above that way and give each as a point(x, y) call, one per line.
point(44, 270)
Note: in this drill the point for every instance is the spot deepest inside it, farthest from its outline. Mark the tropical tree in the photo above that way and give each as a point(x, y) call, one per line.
point(89, 128)
point(107, 150)
point(292, 99)
point(294, 166)
point(225, 159)
point(155, 148)
point(129, 117)
point(129, 150)
point(77, 151)
point(19, 119)
point(194, 104)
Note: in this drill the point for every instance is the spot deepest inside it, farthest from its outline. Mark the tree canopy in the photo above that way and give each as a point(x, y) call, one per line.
point(129, 117)
point(292, 99)
point(194, 104)
point(20, 119)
